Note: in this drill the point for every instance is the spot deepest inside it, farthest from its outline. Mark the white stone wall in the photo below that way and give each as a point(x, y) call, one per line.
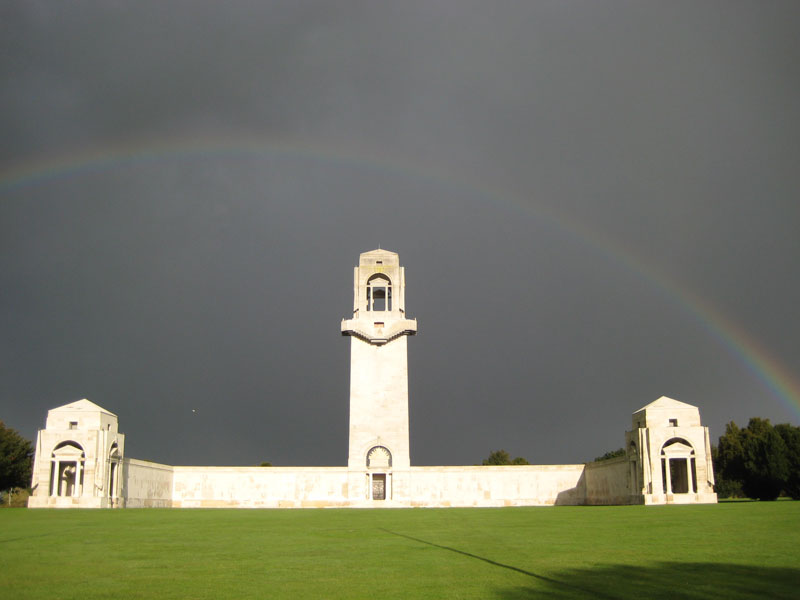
point(153, 485)
point(260, 487)
point(517, 485)
point(146, 484)
point(608, 482)
point(634, 478)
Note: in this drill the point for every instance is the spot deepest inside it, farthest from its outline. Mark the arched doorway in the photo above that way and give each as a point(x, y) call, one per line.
point(66, 469)
point(113, 470)
point(678, 469)
point(379, 464)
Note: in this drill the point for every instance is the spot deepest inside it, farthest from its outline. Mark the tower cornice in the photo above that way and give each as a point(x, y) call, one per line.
point(378, 332)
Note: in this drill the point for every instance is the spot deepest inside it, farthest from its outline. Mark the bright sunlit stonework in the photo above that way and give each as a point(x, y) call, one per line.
point(80, 458)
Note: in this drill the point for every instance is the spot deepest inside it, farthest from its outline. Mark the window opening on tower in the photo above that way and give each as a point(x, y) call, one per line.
point(379, 293)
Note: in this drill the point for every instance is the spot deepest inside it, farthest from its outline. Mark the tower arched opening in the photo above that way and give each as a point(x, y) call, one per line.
point(379, 293)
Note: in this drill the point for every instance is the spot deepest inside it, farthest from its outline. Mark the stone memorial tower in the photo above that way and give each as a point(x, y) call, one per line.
point(670, 455)
point(378, 375)
point(78, 458)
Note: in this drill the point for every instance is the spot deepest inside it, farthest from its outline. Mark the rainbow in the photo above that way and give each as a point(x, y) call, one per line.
point(737, 341)
point(782, 383)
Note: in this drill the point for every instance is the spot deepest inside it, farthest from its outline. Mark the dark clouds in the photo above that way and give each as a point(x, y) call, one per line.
point(215, 280)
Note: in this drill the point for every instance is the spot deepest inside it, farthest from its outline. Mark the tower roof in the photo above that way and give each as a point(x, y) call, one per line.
point(379, 256)
point(82, 405)
point(665, 402)
point(666, 412)
point(378, 251)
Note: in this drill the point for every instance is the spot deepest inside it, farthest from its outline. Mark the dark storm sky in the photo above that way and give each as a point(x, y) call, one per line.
point(597, 203)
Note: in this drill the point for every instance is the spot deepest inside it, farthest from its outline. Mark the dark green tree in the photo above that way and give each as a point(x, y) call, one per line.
point(16, 455)
point(756, 456)
point(724, 487)
point(765, 460)
point(791, 437)
point(730, 453)
point(498, 457)
point(611, 454)
point(501, 457)
point(728, 456)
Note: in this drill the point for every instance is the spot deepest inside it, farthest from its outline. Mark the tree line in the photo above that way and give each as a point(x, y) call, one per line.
point(16, 463)
point(501, 457)
point(759, 461)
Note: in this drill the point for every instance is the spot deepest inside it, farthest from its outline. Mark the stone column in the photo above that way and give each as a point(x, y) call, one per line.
point(54, 480)
point(76, 490)
point(112, 484)
point(669, 475)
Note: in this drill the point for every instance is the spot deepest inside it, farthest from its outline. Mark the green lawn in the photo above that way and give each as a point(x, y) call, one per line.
point(730, 550)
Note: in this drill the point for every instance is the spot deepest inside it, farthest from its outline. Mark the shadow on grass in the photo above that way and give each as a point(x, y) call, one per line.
point(569, 586)
point(667, 580)
point(660, 580)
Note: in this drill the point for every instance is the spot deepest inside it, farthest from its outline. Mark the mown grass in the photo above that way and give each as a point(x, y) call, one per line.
point(731, 550)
